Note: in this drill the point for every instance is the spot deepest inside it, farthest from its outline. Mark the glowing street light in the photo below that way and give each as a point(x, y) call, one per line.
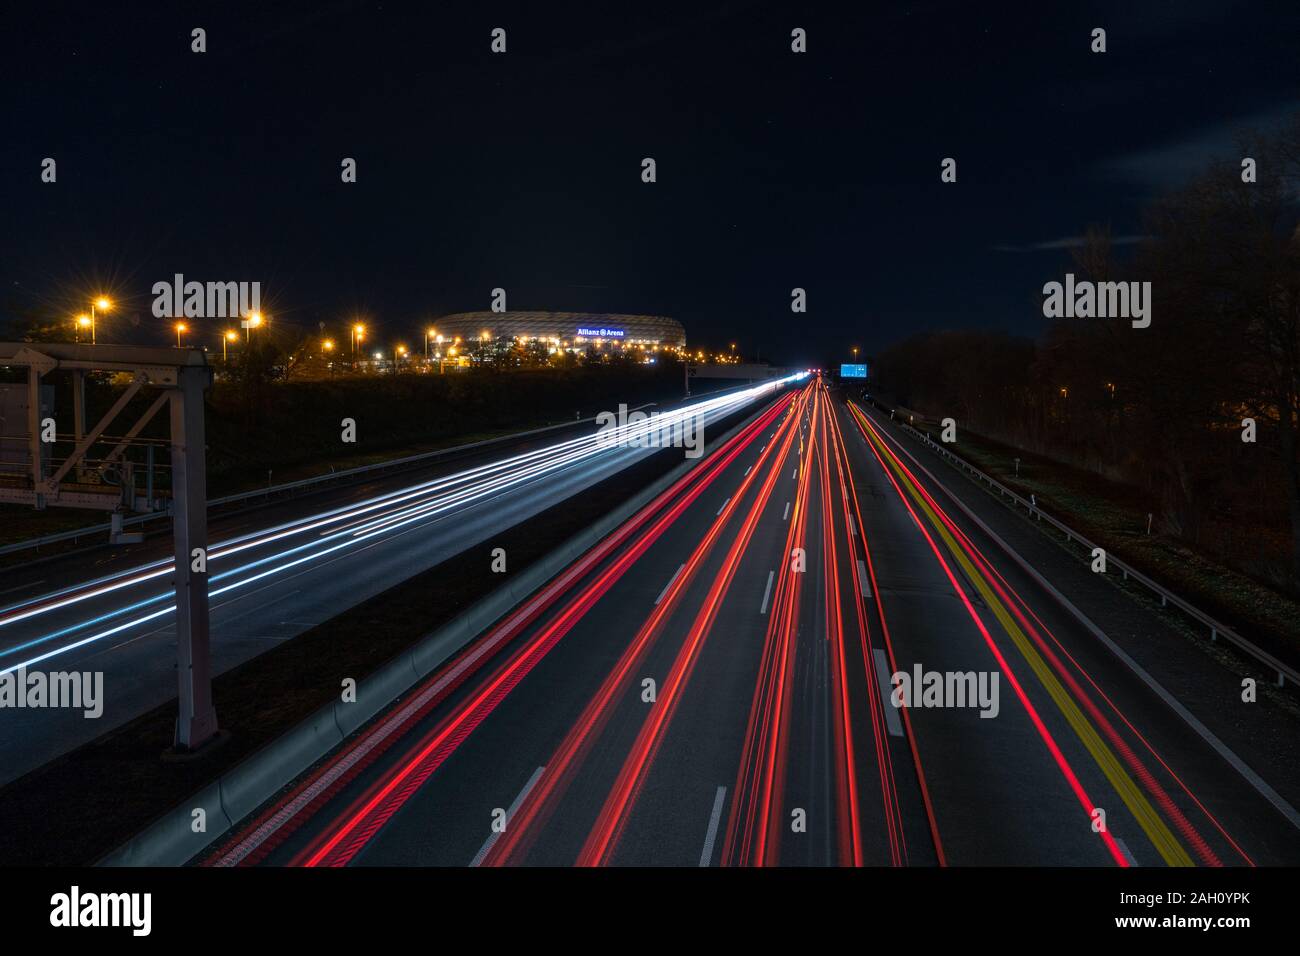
point(101, 303)
point(254, 320)
point(229, 336)
point(358, 333)
point(83, 322)
point(429, 334)
point(181, 329)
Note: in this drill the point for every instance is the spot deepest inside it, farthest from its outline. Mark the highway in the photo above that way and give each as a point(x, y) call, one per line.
point(274, 574)
point(711, 685)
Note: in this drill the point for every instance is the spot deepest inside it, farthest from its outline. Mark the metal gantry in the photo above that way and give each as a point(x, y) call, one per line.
point(181, 376)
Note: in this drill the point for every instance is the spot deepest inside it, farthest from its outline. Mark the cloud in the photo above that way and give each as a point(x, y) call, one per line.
point(1180, 161)
point(1065, 242)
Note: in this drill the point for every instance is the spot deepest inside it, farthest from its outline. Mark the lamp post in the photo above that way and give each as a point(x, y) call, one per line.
point(85, 322)
point(358, 334)
point(181, 329)
point(253, 321)
point(229, 336)
point(102, 303)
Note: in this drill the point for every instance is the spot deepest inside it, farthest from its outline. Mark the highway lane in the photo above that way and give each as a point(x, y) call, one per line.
point(273, 581)
point(1179, 767)
point(766, 737)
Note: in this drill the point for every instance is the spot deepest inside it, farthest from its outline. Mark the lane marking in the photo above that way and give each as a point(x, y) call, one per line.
point(21, 587)
point(746, 474)
point(1152, 823)
point(787, 511)
point(886, 685)
point(724, 507)
point(767, 592)
point(510, 812)
point(714, 819)
point(863, 583)
point(1260, 785)
point(670, 582)
point(1128, 854)
point(795, 473)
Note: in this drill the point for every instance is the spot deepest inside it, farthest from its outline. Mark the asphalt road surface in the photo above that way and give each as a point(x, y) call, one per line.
point(274, 574)
point(714, 685)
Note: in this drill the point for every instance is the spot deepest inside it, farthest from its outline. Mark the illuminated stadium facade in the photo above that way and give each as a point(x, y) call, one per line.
point(566, 330)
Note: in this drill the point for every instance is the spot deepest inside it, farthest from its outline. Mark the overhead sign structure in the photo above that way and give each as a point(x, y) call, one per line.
point(180, 377)
point(853, 371)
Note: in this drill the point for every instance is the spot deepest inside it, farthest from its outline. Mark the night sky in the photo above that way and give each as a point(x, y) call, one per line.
point(522, 170)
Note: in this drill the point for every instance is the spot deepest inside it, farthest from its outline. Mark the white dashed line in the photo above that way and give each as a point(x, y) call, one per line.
point(491, 841)
point(670, 583)
point(715, 818)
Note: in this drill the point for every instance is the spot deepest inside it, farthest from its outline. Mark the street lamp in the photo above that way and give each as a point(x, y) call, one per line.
point(428, 334)
point(181, 329)
point(358, 333)
point(398, 354)
point(84, 322)
point(226, 339)
point(101, 303)
point(253, 321)
point(104, 305)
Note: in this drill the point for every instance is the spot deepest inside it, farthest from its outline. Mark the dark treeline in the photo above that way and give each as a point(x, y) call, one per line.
point(1163, 407)
point(257, 422)
point(254, 425)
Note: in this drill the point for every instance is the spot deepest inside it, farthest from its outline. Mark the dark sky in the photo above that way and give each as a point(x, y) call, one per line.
point(476, 170)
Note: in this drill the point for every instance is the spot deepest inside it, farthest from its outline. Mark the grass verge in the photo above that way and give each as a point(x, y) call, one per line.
point(1114, 516)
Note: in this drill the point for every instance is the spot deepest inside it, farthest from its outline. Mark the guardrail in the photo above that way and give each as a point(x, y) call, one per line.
point(289, 487)
point(1216, 628)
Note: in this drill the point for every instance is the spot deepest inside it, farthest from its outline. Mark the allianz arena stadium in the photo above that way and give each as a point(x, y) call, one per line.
point(569, 328)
